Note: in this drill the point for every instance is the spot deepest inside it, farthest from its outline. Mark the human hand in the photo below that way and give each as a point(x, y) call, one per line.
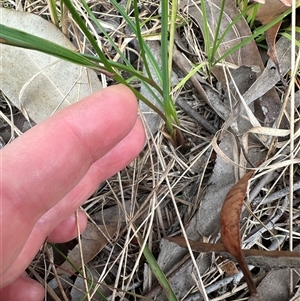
point(48, 172)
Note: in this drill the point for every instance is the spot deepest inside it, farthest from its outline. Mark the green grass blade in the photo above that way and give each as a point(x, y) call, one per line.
point(255, 34)
point(127, 67)
point(133, 27)
point(252, 15)
point(216, 42)
point(140, 38)
point(232, 24)
point(104, 60)
point(53, 12)
point(170, 112)
point(18, 38)
point(288, 36)
point(206, 34)
point(168, 105)
point(189, 75)
point(156, 270)
point(96, 21)
point(87, 33)
point(147, 81)
point(174, 9)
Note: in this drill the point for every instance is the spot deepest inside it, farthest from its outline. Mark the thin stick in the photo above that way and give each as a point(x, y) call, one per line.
point(200, 119)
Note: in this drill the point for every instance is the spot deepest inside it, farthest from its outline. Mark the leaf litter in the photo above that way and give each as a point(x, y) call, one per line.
point(230, 226)
point(41, 83)
point(166, 185)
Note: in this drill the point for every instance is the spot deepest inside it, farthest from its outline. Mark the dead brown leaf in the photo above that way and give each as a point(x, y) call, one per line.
point(229, 268)
point(271, 9)
point(267, 12)
point(230, 227)
point(93, 241)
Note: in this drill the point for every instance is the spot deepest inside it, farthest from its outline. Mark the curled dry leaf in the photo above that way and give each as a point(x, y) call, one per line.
point(267, 12)
point(230, 227)
point(271, 9)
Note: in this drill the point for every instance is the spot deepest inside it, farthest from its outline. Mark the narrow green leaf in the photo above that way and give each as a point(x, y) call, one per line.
point(53, 12)
point(170, 112)
point(18, 38)
point(140, 38)
point(90, 37)
point(156, 270)
point(133, 27)
point(256, 33)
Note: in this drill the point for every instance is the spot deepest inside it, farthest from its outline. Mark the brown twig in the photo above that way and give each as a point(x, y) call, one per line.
point(200, 119)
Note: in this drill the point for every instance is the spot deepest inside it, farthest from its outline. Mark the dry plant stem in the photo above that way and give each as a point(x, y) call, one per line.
point(10, 122)
point(82, 259)
point(296, 296)
point(230, 227)
point(259, 185)
point(53, 267)
point(292, 132)
point(275, 196)
point(200, 283)
point(277, 242)
point(199, 278)
point(267, 260)
point(64, 20)
point(250, 241)
point(118, 275)
point(218, 285)
point(200, 119)
point(49, 290)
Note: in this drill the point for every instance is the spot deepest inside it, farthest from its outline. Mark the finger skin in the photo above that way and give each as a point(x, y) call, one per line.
point(68, 143)
point(67, 229)
point(125, 152)
point(23, 288)
point(65, 153)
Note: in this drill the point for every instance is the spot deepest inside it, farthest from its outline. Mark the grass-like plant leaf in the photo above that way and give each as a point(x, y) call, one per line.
point(18, 38)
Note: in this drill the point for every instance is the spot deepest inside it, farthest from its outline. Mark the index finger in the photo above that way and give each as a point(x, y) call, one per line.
point(64, 147)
